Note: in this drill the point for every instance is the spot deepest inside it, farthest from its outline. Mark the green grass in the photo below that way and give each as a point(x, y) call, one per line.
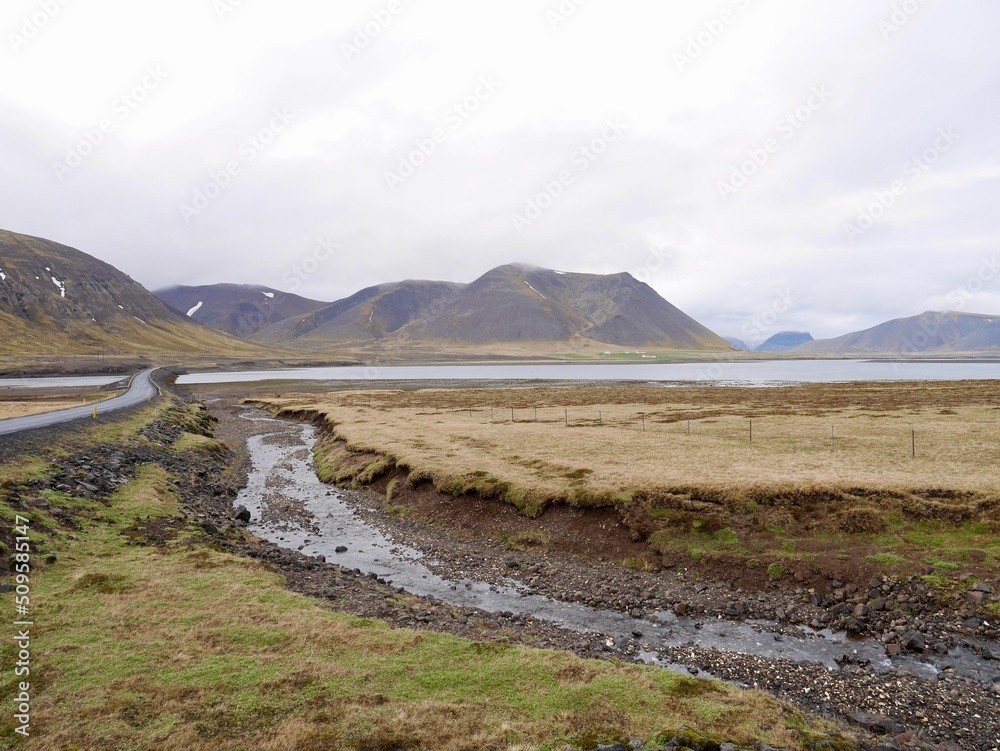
point(888, 559)
point(193, 441)
point(528, 540)
point(185, 646)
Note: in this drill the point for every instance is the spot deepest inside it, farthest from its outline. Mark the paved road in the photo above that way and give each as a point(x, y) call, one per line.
point(140, 390)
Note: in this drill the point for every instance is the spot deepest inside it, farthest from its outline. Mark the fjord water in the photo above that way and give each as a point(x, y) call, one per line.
point(722, 372)
point(283, 474)
point(60, 382)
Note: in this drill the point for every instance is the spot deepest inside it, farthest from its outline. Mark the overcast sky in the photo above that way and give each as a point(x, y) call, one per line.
point(764, 164)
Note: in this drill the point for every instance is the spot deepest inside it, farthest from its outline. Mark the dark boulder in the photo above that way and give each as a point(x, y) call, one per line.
point(913, 641)
point(877, 724)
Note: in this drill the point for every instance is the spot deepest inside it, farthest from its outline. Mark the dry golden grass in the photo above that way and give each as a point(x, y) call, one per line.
point(602, 441)
point(25, 407)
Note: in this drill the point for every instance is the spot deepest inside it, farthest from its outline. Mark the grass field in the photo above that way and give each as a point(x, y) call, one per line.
point(906, 467)
point(604, 440)
point(178, 645)
point(33, 406)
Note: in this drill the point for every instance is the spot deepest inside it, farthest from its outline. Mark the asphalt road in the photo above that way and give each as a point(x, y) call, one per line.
point(141, 389)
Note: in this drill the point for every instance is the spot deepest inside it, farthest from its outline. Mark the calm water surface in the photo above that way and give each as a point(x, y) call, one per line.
point(758, 373)
point(722, 373)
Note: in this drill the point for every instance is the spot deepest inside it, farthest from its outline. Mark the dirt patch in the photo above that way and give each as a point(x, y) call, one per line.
point(155, 532)
point(597, 534)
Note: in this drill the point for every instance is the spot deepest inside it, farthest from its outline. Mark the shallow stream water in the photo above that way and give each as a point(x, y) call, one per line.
point(283, 471)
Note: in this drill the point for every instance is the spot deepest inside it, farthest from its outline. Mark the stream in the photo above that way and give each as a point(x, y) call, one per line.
point(283, 475)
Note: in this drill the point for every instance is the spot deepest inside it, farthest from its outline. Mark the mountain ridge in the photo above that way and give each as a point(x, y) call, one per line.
point(56, 299)
point(942, 332)
point(784, 341)
point(237, 309)
point(512, 303)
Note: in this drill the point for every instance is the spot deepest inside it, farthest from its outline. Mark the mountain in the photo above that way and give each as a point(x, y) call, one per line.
point(738, 343)
point(368, 315)
point(784, 341)
point(58, 300)
point(942, 332)
point(509, 304)
point(238, 309)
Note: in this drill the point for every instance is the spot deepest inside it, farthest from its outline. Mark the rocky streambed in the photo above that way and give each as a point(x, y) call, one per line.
point(913, 676)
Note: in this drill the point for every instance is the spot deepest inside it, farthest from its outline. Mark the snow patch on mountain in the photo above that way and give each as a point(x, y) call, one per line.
point(195, 309)
point(536, 292)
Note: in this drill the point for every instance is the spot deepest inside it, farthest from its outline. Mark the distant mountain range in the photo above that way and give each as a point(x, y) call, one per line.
point(930, 332)
point(784, 341)
point(509, 304)
point(58, 300)
point(238, 309)
point(738, 343)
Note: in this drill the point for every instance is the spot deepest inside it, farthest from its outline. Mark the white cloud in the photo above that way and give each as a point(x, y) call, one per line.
point(688, 128)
